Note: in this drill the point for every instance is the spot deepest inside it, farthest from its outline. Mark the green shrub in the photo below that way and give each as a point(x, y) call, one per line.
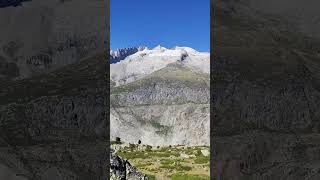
point(148, 148)
point(199, 153)
point(118, 139)
point(132, 147)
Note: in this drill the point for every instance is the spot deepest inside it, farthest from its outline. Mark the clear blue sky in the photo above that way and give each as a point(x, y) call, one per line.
point(165, 22)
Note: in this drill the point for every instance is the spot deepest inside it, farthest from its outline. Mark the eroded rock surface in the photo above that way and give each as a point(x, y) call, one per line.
point(169, 106)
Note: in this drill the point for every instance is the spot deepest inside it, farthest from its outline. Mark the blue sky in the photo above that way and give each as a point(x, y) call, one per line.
point(165, 22)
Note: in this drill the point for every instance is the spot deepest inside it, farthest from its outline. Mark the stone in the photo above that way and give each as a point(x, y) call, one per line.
point(205, 152)
point(183, 155)
point(121, 169)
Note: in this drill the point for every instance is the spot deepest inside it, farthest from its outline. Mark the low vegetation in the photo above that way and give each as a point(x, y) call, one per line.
point(189, 177)
point(168, 162)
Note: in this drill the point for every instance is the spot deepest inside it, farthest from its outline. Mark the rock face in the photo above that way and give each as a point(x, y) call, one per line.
point(169, 106)
point(121, 169)
point(265, 96)
point(121, 54)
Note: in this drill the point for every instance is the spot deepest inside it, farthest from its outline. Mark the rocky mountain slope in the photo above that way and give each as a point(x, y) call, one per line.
point(168, 103)
point(265, 95)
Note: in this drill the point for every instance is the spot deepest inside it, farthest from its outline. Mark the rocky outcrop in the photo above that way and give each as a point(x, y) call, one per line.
point(121, 54)
point(265, 94)
point(121, 169)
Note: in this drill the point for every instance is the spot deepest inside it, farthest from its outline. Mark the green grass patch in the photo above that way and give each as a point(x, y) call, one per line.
point(167, 166)
point(189, 151)
point(170, 161)
point(151, 177)
point(189, 177)
point(142, 165)
point(177, 167)
point(182, 168)
point(202, 160)
point(132, 155)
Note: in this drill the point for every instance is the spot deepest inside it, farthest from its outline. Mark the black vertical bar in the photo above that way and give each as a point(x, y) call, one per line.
point(212, 37)
point(107, 96)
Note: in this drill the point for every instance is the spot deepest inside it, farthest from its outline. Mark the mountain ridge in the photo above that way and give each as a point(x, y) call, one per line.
point(147, 61)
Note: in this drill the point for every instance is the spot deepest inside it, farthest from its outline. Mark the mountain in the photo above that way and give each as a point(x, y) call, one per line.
point(147, 61)
point(265, 93)
point(161, 96)
point(121, 54)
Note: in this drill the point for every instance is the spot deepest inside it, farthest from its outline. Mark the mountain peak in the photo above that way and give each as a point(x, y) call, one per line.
point(184, 48)
point(159, 47)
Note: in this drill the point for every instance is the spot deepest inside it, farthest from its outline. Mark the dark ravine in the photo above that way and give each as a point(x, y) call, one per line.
point(265, 96)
